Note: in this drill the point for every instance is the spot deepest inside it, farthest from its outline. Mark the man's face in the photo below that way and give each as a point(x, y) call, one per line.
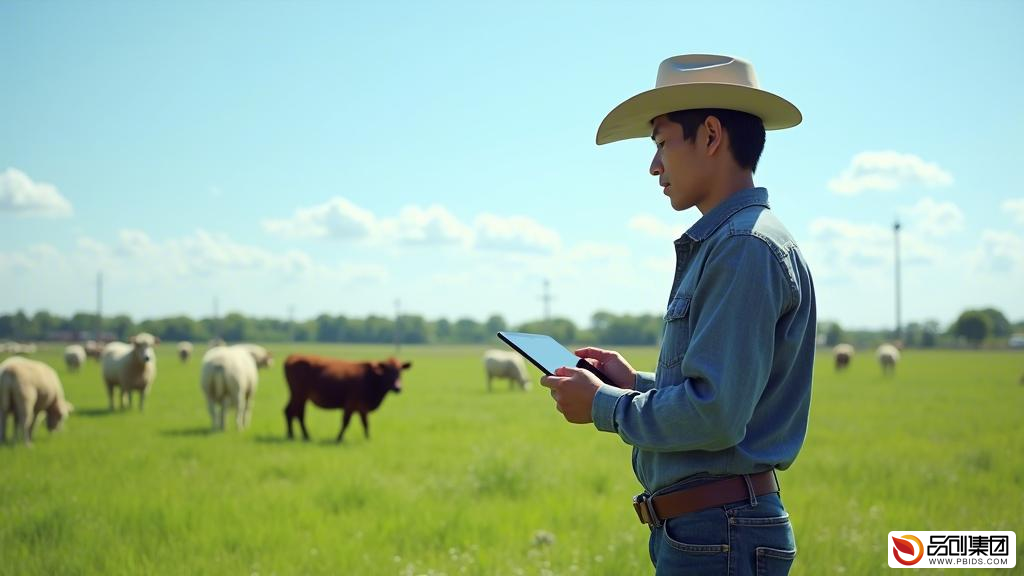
point(679, 164)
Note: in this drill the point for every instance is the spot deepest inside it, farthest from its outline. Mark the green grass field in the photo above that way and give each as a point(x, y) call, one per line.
point(458, 481)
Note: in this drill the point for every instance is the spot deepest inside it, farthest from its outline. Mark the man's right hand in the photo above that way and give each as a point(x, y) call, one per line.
point(611, 364)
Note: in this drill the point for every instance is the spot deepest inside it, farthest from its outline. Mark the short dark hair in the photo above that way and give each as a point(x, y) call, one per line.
point(746, 131)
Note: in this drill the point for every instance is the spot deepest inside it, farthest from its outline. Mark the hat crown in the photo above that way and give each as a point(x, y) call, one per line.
point(705, 68)
point(694, 82)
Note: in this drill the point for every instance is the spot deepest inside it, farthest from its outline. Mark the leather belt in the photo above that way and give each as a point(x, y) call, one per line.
point(654, 510)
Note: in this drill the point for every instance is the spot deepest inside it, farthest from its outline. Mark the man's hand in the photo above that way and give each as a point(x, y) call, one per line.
point(612, 365)
point(573, 390)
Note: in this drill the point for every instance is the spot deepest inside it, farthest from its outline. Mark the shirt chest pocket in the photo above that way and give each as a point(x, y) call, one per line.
point(676, 337)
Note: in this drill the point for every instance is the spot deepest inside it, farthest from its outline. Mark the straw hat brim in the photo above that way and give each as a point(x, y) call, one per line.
point(632, 118)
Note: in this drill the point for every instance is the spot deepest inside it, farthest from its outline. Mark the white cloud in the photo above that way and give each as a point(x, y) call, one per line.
point(434, 225)
point(35, 257)
point(936, 219)
point(336, 218)
point(19, 194)
point(149, 277)
point(887, 171)
point(201, 253)
point(514, 234)
point(651, 226)
point(1015, 208)
point(431, 226)
point(135, 244)
point(999, 253)
point(845, 250)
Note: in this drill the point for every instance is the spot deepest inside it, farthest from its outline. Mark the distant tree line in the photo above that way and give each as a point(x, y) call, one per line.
point(985, 326)
point(972, 328)
point(607, 328)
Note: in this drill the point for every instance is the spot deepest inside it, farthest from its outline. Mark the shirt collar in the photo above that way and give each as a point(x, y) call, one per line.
point(719, 214)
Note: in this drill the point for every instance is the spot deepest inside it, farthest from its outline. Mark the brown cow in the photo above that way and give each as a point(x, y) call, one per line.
point(330, 383)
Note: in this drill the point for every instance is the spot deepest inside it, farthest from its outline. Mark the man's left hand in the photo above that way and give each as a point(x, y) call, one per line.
point(573, 390)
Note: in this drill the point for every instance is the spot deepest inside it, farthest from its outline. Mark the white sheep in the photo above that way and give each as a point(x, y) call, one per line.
point(509, 365)
point(263, 358)
point(28, 387)
point(93, 349)
point(843, 354)
point(74, 357)
point(184, 351)
point(228, 379)
point(19, 348)
point(130, 367)
point(888, 355)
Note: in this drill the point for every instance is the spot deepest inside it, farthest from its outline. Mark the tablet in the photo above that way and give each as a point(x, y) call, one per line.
point(546, 353)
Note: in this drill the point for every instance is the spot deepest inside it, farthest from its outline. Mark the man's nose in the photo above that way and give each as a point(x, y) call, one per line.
point(656, 168)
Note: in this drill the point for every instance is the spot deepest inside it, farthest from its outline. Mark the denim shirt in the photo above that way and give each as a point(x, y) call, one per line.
point(732, 390)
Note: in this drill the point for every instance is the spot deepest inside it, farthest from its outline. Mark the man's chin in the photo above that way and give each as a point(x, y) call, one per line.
point(679, 205)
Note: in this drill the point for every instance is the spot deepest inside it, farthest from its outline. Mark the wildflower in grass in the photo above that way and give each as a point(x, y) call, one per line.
point(543, 538)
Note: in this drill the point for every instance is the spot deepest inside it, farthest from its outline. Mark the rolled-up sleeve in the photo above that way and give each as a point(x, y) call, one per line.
point(644, 381)
point(706, 403)
point(605, 403)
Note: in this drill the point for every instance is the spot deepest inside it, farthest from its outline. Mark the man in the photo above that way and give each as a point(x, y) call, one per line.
point(728, 404)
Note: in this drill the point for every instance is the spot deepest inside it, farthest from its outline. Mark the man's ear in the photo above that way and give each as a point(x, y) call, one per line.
point(713, 134)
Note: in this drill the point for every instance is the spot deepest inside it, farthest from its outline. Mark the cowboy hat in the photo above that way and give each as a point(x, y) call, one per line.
point(695, 81)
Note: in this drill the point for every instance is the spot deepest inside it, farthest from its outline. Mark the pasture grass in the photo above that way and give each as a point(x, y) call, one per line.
point(456, 480)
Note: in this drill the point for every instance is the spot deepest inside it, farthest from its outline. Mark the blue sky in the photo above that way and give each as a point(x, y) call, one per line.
point(337, 157)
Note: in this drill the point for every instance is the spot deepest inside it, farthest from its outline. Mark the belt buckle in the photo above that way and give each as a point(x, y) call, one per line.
point(644, 506)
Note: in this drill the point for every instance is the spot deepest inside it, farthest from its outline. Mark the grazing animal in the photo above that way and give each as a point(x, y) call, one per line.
point(508, 365)
point(74, 357)
point(93, 349)
point(843, 354)
point(130, 367)
point(263, 358)
point(18, 348)
point(330, 383)
point(888, 355)
point(229, 378)
point(184, 351)
point(27, 388)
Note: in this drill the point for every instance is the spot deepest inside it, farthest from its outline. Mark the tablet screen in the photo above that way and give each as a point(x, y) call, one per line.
point(542, 350)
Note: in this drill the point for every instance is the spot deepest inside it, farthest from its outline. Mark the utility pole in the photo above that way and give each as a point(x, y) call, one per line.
point(291, 323)
point(896, 247)
point(216, 318)
point(546, 297)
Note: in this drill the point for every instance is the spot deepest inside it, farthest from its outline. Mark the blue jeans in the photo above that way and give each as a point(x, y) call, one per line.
point(753, 536)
